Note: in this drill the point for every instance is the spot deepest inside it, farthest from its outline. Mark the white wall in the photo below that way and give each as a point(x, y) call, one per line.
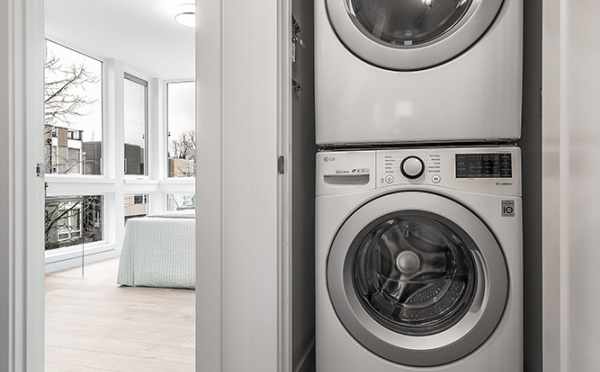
point(238, 117)
point(582, 133)
point(5, 192)
point(553, 212)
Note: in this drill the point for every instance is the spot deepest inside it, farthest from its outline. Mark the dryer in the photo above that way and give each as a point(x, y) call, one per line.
point(399, 71)
point(419, 260)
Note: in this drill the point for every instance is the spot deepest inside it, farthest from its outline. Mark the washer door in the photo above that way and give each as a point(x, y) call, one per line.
point(411, 34)
point(417, 279)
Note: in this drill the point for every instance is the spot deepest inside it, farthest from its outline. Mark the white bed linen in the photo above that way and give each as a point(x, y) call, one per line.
point(158, 252)
point(175, 214)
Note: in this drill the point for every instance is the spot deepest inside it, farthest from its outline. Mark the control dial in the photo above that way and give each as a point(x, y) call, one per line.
point(412, 167)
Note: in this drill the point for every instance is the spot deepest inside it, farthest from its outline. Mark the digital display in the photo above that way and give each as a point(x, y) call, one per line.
point(483, 166)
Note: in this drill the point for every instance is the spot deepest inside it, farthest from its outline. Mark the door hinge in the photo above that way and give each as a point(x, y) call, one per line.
point(281, 165)
point(38, 170)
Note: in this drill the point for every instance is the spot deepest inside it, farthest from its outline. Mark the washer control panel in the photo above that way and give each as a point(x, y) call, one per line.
point(401, 167)
point(492, 170)
point(412, 167)
point(478, 169)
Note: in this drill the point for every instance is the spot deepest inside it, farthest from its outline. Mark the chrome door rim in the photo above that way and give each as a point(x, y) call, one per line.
point(421, 351)
point(473, 25)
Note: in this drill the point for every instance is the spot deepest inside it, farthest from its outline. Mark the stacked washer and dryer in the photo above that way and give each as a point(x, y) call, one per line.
point(419, 213)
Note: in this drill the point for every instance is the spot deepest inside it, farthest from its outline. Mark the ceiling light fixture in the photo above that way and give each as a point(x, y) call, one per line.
point(186, 15)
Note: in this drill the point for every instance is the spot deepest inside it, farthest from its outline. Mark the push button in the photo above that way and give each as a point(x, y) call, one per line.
point(436, 179)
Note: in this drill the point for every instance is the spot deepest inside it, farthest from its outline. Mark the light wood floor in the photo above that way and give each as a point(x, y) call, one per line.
point(94, 325)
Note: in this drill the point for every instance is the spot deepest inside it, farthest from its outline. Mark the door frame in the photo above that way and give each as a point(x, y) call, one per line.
point(285, 362)
point(26, 293)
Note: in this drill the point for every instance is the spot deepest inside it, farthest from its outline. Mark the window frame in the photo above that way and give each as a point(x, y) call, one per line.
point(137, 80)
point(103, 108)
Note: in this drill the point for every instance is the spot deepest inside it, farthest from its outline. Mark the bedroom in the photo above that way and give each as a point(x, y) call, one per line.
point(119, 147)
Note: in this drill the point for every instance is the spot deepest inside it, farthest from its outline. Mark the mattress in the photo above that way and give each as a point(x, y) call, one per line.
point(158, 252)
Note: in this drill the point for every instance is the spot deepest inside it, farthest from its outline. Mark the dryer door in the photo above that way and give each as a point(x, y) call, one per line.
point(411, 34)
point(417, 279)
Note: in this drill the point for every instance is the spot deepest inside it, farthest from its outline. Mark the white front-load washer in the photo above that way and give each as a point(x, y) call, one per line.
point(419, 260)
point(396, 71)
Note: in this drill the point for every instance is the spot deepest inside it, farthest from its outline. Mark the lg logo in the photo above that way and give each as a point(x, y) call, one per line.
point(508, 208)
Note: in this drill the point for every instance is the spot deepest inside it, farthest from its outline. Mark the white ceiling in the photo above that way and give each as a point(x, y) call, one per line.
point(141, 33)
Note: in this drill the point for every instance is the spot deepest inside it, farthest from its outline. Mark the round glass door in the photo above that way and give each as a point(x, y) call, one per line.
point(417, 279)
point(410, 34)
point(414, 272)
point(407, 23)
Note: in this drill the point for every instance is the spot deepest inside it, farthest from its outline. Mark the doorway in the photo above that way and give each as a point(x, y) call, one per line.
point(119, 153)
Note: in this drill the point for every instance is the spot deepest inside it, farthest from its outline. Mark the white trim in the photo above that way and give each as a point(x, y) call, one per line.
point(563, 300)
point(285, 318)
point(209, 218)
point(34, 46)
point(71, 179)
point(74, 262)
point(142, 181)
point(11, 325)
point(178, 181)
point(555, 258)
point(75, 251)
point(22, 321)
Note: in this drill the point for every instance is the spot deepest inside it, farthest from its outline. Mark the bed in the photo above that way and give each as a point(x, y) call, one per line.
point(158, 251)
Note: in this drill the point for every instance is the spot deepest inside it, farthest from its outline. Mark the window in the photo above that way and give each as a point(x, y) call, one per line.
point(181, 202)
point(136, 124)
point(73, 220)
point(181, 127)
point(73, 112)
point(136, 205)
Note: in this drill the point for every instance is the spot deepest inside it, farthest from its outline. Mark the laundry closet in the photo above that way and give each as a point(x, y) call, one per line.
point(409, 124)
point(277, 290)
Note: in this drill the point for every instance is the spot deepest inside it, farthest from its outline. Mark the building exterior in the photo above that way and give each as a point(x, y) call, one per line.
point(73, 220)
point(181, 168)
point(135, 206)
point(67, 153)
point(134, 159)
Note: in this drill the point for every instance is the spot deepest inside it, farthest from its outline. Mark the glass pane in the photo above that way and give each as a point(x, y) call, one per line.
point(181, 129)
point(405, 23)
point(73, 112)
point(135, 205)
point(135, 119)
point(181, 202)
point(414, 272)
point(73, 220)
